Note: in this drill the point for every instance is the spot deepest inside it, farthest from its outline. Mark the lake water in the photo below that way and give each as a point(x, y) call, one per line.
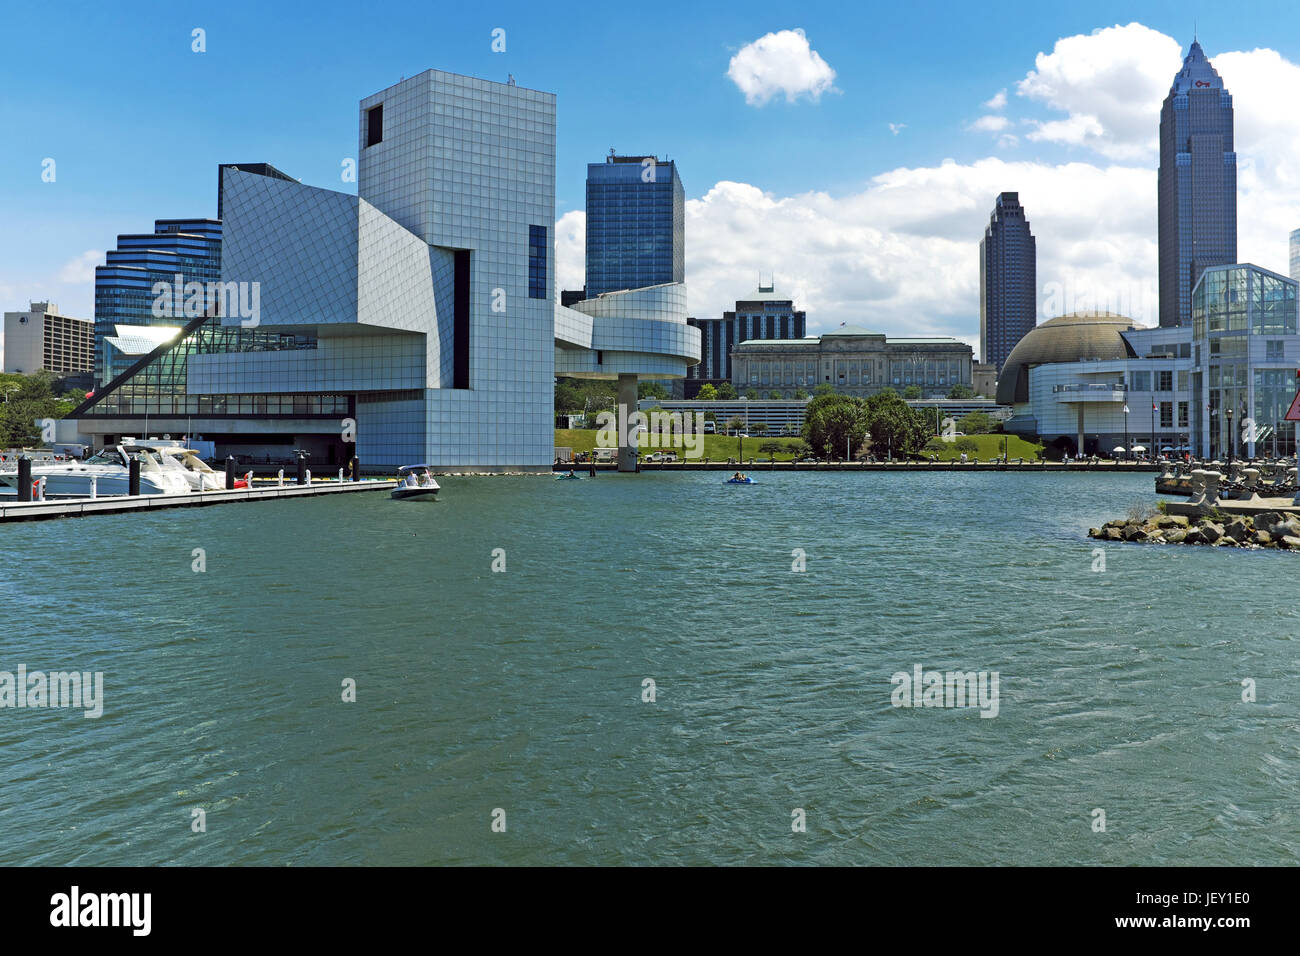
point(522, 690)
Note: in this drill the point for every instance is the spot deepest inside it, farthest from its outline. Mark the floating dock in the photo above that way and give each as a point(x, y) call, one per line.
point(13, 510)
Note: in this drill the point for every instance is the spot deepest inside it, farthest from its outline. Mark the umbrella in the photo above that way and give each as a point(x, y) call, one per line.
point(1117, 450)
point(1167, 448)
point(1138, 448)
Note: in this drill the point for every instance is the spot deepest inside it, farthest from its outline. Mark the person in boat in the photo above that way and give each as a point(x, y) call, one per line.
point(736, 477)
point(571, 474)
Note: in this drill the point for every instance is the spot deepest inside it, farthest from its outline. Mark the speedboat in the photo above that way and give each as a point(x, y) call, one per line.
point(185, 462)
point(110, 469)
point(414, 481)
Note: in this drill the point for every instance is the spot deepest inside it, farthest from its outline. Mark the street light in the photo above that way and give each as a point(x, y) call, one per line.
point(1126, 453)
point(1232, 438)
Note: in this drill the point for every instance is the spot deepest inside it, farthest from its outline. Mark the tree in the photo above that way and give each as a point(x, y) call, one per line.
point(894, 425)
point(960, 391)
point(797, 448)
point(751, 394)
point(774, 394)
point(912, 392)
point(727, 392)
point(835, 423)
point(735, 424)
point(825, 388)
point(707, 393)
point(976, 423)
point(758, 428)
point(651, 390)
point(771, 448)
point(800, 394)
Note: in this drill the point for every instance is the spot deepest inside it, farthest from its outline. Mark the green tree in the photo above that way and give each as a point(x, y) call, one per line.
point(751, 394)
point(912, 392)
point(797, 448)
point(758, 428)
point(894, 425)
point(976, 423)
point(960, 391)
point(771, 448)
point(727, 392)
point(774, 395)
point(835, 423)
point(825, 388)
point(707, 393)
point(800, 394)
point(653, 390)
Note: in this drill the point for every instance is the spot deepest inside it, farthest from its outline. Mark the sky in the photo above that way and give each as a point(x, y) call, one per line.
point(852, 152)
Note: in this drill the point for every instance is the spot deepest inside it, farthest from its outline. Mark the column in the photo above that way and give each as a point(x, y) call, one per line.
point(627, 405)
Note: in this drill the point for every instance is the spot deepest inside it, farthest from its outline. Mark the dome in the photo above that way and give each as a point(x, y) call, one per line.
point(1080, 336)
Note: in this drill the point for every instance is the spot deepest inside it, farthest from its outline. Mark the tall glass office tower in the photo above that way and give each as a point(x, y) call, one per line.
point(1198, 184)
point(636, 224)
point(1295, 255)
point(1008, 280)
point(190, 248)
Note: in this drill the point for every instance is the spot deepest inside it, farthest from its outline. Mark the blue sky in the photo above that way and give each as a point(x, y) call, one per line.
point(137, 122)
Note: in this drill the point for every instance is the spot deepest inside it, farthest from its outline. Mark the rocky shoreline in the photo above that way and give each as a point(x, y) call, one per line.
point(1267, 529)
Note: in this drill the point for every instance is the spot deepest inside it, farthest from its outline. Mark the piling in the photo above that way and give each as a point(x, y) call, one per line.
point(24, 479)
point(133, 477)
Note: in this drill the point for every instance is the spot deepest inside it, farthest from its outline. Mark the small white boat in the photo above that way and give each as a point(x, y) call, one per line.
point(183, 461)
point(415, 481)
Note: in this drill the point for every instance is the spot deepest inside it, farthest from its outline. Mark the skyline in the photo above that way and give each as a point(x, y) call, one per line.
point(891, 243)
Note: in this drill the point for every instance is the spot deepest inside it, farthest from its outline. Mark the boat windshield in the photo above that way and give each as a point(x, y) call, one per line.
point(108, 456)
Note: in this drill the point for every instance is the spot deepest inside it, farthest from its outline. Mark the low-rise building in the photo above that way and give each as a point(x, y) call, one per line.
point(41, 339)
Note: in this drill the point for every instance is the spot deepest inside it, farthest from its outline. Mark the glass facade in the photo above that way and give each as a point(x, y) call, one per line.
point(1295, 255)
point(1234, 309)
point(157, 388)
point(636, 224)
point(538, 252)
point(190, 248)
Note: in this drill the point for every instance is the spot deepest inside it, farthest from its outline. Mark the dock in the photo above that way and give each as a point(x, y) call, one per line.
point(13, 510)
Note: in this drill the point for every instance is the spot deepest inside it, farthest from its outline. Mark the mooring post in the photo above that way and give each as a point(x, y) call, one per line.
point(94, 486)
point(24, 478)
point(280, 478)
point(230, 472)
point(40, 488)
point(302, 469)
point(340, 476)
point(133, 477)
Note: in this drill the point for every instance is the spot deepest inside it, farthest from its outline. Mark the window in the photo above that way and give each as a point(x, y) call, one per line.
point(1273, 350)
point(375, 125)
point(537, 256)
point(1182, 414)
point(1165, 381)
point(1167, 414)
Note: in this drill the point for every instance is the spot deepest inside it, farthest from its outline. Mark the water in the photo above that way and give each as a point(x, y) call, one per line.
point(521, 690)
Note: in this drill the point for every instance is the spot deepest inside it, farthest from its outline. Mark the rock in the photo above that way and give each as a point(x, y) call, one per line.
point(1237, 530)
point(1286, 525)
point(1134, 533)
point(1111, 533)
point(1290, 541)
point(1211, 532)
point(1176, 536)
point(1195, 536)
point(1094, 533)
point(1155, 537)
point(1262, 538)
point(1266, 518)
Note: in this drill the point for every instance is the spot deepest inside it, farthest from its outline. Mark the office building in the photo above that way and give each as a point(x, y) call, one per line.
point(636, 224)
point(41, 339)
point(1197, 201)
point(1008, 280)
point(763, 314)
point(1295, 255)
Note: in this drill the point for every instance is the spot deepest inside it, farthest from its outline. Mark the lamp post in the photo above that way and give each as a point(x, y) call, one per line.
point(1126, 431)
point(1232, 439)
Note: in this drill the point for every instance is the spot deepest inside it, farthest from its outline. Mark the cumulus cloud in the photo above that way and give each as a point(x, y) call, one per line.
point(897, 128)
point(990, 123)
point(999, 101)
point(781, 63)
point(81, 268)
point(1110, 83)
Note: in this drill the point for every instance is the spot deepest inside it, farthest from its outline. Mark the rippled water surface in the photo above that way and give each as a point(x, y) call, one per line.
point(1119, 690)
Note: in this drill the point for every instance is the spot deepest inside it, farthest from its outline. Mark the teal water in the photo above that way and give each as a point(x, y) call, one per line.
point(1119, 690)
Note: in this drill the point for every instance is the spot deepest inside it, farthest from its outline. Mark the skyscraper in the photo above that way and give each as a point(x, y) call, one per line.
point(1198, 184)
point(1295, 255)
point(1008, 280)
point(636, 224)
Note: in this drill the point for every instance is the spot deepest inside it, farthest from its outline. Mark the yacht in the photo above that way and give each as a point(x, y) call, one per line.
point(111, 470)
point(185, 462)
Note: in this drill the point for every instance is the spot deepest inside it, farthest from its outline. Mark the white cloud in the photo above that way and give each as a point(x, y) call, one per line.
point(81, 268)
point(1008, 140)
point(897, 128)
point(990, 124)
point(570, 251)
point(780, 63)
point(998, 101)
point(1110, 83)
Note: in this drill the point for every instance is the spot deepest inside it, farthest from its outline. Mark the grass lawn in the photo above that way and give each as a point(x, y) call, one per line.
point(716, 447)
point(990, 446)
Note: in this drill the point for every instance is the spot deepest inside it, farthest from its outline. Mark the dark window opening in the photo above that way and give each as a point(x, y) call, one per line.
point(375, 125)
point(460, 321)
point(537, 262)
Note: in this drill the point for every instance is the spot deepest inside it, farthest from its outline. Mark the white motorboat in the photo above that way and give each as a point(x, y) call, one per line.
point(110, 469)
point(176, 458)
point(415, 481)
